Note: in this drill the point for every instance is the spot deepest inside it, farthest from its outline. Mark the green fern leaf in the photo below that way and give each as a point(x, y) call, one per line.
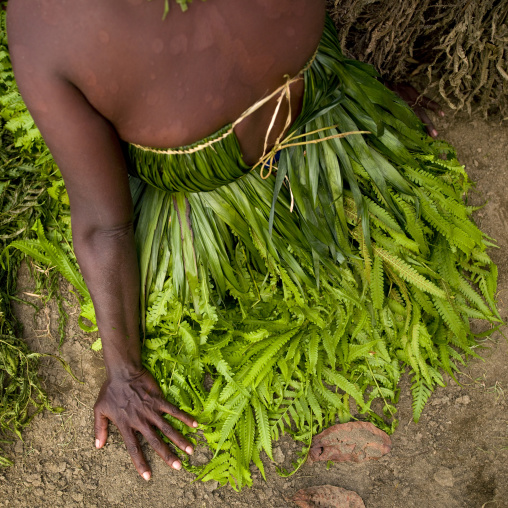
point(313, 351)
point(61, 261)
point(263, 426)
point(230, 423)
point(267, 355)
point(189, 339)
point(409, 274)
point(257, 459)
point(220, 460)
point(247, 436)
point(421, 393)
point(377, 284)
point(314, 405)
point(450, 317)
point(341, 382)
point(360, 351)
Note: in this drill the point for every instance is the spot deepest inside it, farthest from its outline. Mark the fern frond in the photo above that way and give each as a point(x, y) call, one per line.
point(421, 393)
point(341, 382)
point(377, 284)
point(409, 274)
point(263, 426)
point(314, 405)
point(313, 351)
point(266, 356)
point(230, 423)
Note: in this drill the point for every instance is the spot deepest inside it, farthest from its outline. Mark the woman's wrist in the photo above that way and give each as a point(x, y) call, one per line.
point(122, 356)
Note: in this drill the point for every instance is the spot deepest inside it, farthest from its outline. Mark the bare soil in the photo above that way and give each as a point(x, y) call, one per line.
point(457, 456)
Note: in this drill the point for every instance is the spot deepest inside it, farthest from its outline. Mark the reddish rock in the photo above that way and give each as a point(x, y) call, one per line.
point(350, 442)
point(327, 496)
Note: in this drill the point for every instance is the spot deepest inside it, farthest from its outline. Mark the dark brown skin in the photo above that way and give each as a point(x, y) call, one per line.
point(93, 73)
point(419, 103)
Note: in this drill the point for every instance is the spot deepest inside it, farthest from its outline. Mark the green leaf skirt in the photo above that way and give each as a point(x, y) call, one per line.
point(283, 304)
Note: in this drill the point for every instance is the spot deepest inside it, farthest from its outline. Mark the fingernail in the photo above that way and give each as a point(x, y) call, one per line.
point(441, 113)
point(146, 475)
point(194, 424)
point(97, 443)
point(433, 133)
point(177, 465)
point(189, 450)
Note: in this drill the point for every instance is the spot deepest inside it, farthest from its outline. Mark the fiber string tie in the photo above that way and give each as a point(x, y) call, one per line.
point(278, 92)
point(269, 158)
point(285, 93)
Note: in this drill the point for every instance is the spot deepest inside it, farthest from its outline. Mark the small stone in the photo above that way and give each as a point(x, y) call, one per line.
point(262, 495)
point(350, 442)
point(77, 496)
point(211, 485)
point(444, 477)
point(328, 496)
point(278, 455)
point(465, 400)
point(438, 402)
point(18, 447)
point(200, 458)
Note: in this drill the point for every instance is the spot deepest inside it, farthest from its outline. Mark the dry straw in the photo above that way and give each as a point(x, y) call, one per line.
point(460, 45)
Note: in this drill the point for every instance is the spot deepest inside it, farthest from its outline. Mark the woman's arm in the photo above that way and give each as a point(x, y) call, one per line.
point(87, 151)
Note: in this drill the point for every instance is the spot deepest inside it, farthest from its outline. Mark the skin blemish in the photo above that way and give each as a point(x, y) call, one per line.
point(157, 46)
point(90, 78)
point(41, 106)
point(249, 74)
point(178, 44)
point(178, 131)
point(152, 98)
point(113, 87)
point(152, 76)
point(202, 37)
point(290, 31)
point(99, 91)
point(103, 37)
point(48, 14)
point(217, 103)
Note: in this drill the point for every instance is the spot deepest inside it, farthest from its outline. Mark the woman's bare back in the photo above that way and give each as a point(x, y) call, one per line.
point(167, 83)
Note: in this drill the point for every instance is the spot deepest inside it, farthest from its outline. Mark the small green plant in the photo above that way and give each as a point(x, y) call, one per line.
point(28, 180)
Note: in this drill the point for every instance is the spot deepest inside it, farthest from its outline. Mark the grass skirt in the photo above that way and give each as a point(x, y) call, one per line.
point(281, 304)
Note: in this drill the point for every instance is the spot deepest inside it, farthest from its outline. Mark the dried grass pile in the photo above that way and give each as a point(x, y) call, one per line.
point(461, 46)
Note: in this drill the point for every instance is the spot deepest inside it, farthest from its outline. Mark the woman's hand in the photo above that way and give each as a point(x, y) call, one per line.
point(134, 402)
point(418, 103)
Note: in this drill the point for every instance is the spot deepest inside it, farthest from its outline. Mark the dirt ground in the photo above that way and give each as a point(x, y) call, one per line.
point(457, 456)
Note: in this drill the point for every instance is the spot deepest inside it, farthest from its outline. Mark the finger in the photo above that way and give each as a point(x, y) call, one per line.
point(162, 448)
point(173, 435)
point(430, 104)
point(168, 408)
point(100, 428)
point(422, 115)
point(134, 450)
